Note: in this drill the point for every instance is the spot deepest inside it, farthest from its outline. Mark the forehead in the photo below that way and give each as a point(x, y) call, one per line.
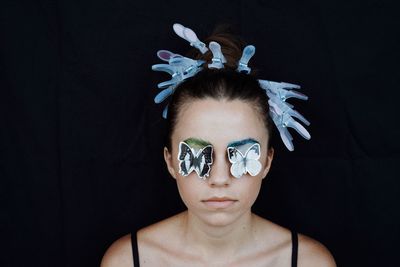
point(219, 121)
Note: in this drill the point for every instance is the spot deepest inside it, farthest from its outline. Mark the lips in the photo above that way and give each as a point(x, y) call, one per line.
point(219, 202)
point(220, 199)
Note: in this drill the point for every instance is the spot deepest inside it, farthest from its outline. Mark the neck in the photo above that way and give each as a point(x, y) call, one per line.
point(218, 241)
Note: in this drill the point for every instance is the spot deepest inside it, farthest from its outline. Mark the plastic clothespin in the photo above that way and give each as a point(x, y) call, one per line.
point(218, 59)
point(248, 53)
point(190, 36)
point(282, 90)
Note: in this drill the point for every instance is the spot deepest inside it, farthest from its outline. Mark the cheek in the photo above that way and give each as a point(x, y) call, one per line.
point(264, 157)
point(250, 189)
point(264, 163)
point(189, 189)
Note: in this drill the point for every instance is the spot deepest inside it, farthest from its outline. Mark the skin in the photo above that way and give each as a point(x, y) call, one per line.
point(209, 236)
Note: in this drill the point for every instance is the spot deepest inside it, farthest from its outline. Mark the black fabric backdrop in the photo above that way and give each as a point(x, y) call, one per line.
point(81, 140)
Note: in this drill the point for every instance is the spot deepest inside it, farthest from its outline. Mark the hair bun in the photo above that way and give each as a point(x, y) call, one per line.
point(231, 46)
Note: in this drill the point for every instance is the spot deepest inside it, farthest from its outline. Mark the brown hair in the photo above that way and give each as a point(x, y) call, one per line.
point(225, 83)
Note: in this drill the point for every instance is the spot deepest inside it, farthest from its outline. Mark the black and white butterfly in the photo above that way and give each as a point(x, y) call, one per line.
point(245, 162)
point(199, 161)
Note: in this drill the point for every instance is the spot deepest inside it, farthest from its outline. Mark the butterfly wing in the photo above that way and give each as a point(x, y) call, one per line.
point(186, 158)
point(238, 169)
point(233, 155)
point(236, 158)
point(253, 167)
point(252, 163)
point(202, 161)
point(253, 152)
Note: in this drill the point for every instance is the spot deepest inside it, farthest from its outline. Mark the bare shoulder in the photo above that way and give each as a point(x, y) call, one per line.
point(119, 253)
point(312, 253)
point(166, 229)
point(151, 244)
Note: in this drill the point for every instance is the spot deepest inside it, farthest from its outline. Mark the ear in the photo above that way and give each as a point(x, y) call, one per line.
point(169, 162)
point(270, 157)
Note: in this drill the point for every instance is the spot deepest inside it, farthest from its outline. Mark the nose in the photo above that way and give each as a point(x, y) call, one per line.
point(220, 175)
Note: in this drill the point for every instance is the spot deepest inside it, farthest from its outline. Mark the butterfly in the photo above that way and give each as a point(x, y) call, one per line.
point(190, 160)
point(247, 162)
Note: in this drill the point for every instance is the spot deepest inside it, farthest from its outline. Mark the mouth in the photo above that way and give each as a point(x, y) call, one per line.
point(219, 202)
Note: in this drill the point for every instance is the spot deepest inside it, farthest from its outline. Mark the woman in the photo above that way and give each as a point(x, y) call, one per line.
point(218, 150)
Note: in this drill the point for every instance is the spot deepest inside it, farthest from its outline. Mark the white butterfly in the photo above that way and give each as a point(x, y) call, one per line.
point(247, 162)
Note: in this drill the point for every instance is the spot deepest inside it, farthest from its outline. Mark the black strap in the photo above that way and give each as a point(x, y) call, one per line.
point(135, 251)
point(295, 244)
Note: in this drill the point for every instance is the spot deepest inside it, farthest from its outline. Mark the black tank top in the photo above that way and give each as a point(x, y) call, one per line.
point(135, 251)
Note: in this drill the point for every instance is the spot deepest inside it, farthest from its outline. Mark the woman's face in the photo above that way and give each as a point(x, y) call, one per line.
point(219, 199)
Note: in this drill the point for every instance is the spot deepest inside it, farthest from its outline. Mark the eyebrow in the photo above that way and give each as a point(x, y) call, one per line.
point(196, 142)
point(242, 142)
